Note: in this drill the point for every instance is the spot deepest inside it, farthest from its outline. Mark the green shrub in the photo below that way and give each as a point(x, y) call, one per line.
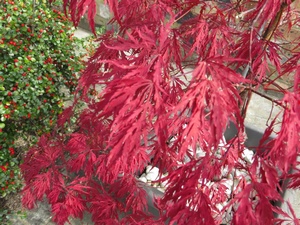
point(38, 70)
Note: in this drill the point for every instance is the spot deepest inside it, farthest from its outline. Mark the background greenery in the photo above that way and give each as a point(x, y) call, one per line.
point(38, 71)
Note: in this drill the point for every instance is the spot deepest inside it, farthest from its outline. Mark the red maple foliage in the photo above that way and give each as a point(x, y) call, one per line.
point(170, 84)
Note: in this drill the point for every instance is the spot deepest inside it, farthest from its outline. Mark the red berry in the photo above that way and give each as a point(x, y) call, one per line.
point(16, 60)
point(12, 151)
point(9, 93)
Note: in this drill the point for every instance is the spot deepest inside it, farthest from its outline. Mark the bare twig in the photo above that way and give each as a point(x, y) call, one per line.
point(266, 97)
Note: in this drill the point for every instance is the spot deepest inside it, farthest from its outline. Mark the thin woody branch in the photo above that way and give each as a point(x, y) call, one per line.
point(269, 32)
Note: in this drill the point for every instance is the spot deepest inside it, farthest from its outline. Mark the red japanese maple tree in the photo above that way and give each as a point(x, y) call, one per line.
point(172, 75)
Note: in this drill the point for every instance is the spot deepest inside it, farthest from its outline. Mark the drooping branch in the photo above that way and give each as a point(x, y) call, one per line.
point(274, 23)
point(267, 35)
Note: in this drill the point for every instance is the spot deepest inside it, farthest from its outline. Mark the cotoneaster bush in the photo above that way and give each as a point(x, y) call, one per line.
point(38, 71)
point(171, 78)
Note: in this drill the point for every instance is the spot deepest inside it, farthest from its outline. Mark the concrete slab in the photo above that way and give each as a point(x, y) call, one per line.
point(82, 33)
